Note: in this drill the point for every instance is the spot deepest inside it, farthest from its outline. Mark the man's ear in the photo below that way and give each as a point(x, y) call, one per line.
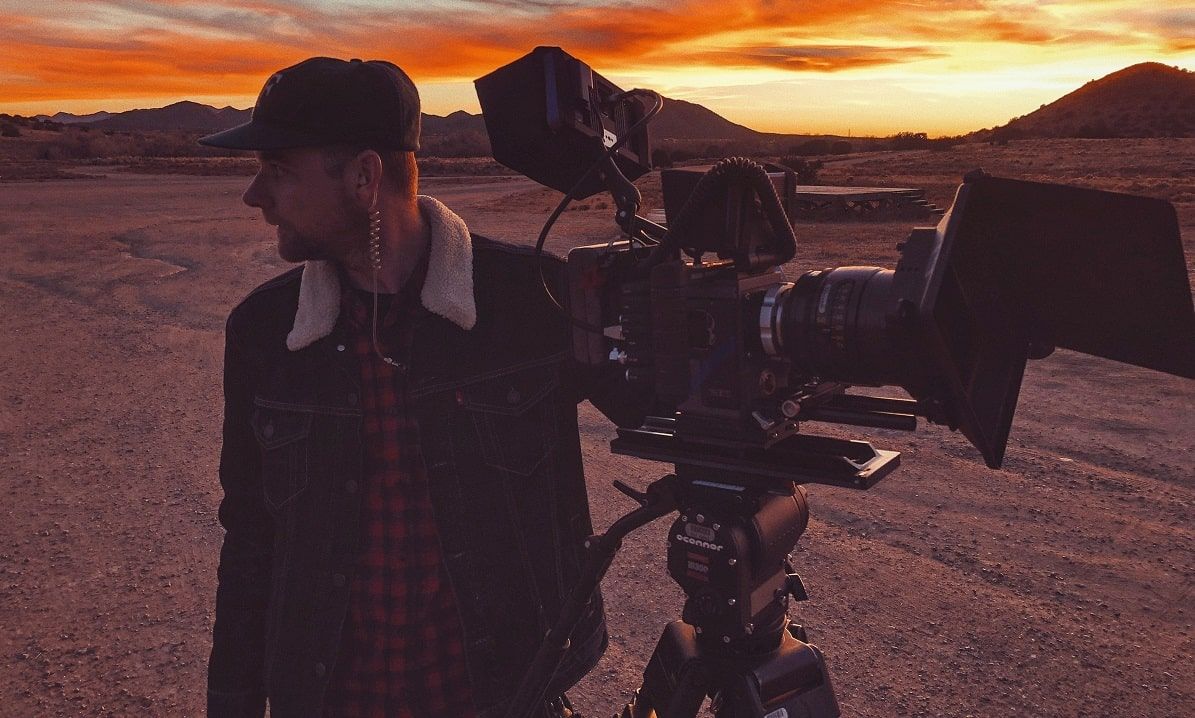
point(364, 177)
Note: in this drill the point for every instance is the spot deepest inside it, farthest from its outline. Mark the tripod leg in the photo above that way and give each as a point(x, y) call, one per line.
point(791, 681)
point(676, 679)
point(684, 700)
point(636, 708)
point(689, 693)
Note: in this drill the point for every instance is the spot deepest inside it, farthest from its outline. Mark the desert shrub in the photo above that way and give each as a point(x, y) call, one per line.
point(450, 166)
point(456, 144)
point(1003, 135)
point(50, 151)
point(723, 149)
point(78, 143)
point(811, 147)
point(909, 141)
point(806, 169)
point(943, 144)
point(841, 147)
point(8, 129)
point(166, 144)
point(1096, 130)
point(661, 157)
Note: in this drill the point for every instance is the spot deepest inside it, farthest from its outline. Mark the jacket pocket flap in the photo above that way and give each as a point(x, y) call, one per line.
point(510, 394)
point(277, 427)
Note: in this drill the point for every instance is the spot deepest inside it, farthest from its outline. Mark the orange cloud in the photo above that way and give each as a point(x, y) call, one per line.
point(93, 49)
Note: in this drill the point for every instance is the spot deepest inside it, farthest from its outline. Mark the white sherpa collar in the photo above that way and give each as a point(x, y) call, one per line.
point(447, 291)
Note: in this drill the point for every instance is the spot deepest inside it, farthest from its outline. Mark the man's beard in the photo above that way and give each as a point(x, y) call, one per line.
point(295, 246)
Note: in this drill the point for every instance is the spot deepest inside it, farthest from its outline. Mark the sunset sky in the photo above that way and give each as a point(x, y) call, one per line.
point(836, 66)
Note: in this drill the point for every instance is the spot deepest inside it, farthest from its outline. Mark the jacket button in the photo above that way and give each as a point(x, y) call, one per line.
point(514, 396)
point(338, 580)
point(350, 486)
point(321, 670)
point(267, 430)
point(339, 347)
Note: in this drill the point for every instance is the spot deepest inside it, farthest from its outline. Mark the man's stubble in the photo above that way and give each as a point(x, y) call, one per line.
point(342, 240)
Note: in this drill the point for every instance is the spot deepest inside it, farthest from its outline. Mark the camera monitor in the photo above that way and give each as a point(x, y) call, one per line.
point(551, 118)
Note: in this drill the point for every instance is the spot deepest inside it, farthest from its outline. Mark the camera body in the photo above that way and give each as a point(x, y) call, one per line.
point(700, 315)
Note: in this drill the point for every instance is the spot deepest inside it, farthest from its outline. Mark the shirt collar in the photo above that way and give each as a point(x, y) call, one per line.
point(446, 289)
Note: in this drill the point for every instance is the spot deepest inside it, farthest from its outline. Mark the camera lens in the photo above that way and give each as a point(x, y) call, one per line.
point(832, 324)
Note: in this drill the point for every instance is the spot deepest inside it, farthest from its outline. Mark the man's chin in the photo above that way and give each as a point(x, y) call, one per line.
point(292, 250)
point(290, 254)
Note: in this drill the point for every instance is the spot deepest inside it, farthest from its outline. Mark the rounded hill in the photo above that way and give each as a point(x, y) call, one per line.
point(1144, 100)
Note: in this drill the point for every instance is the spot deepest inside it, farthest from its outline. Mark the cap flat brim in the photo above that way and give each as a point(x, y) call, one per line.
point(259, 136)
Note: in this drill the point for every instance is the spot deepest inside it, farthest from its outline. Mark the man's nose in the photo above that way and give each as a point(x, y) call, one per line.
point(254, 196)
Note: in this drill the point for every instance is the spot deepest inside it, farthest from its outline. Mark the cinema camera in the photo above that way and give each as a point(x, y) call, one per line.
point(738, 359)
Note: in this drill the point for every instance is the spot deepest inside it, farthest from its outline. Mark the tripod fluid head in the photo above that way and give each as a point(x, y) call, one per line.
point(728, 551)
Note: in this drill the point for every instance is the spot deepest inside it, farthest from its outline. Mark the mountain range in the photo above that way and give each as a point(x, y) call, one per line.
point(679, 120)
point(1144, 100)
point(66, 118)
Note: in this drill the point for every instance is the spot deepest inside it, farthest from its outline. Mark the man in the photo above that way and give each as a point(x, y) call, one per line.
point(404, 504)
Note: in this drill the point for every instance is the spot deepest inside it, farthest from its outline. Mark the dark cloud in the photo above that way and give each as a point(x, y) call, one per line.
point(817, 58)
point(1176, 25)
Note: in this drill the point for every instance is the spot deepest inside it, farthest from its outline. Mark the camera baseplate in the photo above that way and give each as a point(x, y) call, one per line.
point(802, 458)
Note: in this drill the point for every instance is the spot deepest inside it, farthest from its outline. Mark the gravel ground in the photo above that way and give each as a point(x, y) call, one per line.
point(1060, 585)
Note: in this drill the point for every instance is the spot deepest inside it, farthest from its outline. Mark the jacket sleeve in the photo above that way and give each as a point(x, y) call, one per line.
point(235, 672)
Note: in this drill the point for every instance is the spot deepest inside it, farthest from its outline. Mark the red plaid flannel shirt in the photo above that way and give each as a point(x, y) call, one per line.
point(402, 652)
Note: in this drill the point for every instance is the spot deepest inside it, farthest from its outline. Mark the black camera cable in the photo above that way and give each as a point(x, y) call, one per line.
point(569, 196)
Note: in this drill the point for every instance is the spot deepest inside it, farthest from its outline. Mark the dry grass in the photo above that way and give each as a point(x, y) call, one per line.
point(1154, 167)
point(202, 166)
point(37, 171)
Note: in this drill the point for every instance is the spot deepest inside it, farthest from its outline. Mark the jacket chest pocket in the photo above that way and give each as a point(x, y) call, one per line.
point(514, 417)
point(282, 435)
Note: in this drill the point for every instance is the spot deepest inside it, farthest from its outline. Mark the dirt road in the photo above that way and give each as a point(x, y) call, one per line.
point(1061, 585)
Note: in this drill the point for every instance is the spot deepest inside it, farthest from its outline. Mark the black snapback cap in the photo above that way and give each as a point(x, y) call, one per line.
point(325, 101)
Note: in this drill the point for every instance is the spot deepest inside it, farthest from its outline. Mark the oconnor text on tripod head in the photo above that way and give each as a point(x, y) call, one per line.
point(738, 358)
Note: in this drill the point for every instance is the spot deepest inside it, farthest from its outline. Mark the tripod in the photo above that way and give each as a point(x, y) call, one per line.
point(728, 551)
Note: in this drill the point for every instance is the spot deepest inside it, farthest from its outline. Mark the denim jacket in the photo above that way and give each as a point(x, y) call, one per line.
point(494, 394)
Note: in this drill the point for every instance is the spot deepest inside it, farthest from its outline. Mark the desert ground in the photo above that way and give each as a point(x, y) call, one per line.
point(1062, 584)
